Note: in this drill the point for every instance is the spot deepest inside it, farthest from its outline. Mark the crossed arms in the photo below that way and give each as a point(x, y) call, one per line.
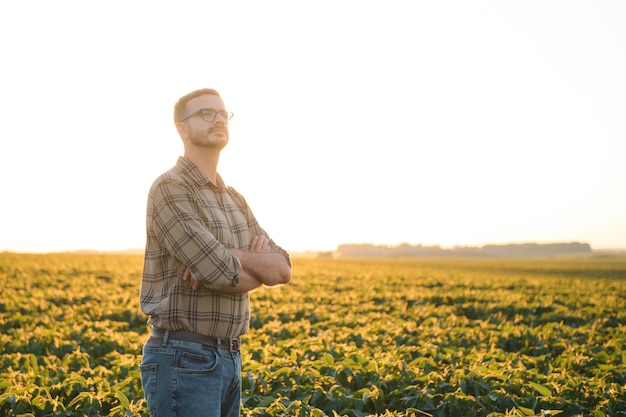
point(260, 266)
point(178, 224)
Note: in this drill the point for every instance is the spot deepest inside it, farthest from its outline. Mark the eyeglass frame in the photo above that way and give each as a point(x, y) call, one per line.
point(229, 115)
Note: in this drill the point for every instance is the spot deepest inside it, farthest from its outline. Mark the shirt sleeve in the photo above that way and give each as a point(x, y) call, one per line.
point(179, 229)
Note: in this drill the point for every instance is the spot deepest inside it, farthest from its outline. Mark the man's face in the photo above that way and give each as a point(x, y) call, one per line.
point(212, 134)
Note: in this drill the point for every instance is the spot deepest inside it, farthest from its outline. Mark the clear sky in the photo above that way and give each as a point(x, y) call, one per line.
point(436, 122)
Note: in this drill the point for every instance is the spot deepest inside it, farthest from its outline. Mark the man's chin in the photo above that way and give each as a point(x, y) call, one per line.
point(219, 139)
point(215, 142)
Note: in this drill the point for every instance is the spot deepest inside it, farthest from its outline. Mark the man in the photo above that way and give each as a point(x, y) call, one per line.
point(204, 252)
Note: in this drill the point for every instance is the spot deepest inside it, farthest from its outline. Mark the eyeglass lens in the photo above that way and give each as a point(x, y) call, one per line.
point(210, 114)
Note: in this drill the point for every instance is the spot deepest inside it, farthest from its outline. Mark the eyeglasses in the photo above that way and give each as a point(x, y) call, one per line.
point(209, 115)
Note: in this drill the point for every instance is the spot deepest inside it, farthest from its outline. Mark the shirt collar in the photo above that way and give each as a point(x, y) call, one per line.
point(195, 175)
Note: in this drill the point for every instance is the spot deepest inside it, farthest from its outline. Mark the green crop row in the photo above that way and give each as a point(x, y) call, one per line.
point(402, 337)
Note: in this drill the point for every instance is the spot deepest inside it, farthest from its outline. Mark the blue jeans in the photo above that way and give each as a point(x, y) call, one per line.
point(187, 379)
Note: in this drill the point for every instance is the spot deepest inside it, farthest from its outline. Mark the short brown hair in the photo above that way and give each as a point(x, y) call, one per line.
point(181, 104)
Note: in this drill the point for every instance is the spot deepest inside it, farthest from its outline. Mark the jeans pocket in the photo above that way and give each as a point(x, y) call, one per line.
point(198, 363)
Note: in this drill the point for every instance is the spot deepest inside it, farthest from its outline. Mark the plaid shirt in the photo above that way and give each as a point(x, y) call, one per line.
point(190, 223)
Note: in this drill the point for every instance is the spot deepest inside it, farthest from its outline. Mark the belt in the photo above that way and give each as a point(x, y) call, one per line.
point(157, 335)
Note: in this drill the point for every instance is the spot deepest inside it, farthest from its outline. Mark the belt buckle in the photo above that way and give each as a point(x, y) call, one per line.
point(233, 345)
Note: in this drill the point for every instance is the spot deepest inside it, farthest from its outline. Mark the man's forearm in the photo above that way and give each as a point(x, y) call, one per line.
point(247, 282)
point(270, 268)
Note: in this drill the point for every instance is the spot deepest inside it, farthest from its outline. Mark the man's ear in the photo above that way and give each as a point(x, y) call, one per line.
point(182, 129)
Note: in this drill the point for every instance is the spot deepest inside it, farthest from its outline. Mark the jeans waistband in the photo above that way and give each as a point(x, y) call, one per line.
point(162, 336)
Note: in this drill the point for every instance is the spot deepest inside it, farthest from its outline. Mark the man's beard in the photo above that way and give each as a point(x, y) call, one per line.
point(206, 139)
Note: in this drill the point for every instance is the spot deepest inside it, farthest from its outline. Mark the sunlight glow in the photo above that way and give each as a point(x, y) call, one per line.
point(446, 124)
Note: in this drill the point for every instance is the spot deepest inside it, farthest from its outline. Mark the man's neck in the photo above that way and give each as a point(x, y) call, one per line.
point(206, 160)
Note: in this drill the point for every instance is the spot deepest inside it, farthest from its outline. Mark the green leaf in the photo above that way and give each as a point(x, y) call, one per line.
point(123, 399)
point(526, 411)
point(267, 401)
point(541, 389)
point(328, 359)
point(415, 410)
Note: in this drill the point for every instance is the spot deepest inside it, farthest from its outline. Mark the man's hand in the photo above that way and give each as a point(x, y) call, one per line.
point(194, 282)
point(259, 244)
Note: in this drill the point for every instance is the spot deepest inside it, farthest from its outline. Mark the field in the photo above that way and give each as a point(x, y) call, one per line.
point(403, 337)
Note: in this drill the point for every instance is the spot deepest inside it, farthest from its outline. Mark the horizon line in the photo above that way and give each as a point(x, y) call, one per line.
point(138, 250)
